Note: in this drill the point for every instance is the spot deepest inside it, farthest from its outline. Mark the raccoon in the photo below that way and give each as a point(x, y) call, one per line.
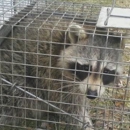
point(59, 63)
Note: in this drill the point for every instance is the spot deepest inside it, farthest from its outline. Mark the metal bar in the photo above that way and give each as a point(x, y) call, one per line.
point(6, 29)
point(120, 16)
point(109, 12)
point(44, 101)
point(12, 7)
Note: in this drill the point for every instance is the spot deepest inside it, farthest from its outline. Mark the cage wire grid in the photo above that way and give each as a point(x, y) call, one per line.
point(38, 93)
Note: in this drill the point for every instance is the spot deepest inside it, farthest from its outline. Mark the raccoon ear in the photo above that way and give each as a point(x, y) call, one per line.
point(76, 32)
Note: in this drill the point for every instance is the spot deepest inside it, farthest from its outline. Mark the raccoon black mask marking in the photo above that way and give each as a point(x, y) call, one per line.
point(81, 71)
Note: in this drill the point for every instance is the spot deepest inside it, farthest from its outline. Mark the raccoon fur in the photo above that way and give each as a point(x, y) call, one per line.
point(60, 63)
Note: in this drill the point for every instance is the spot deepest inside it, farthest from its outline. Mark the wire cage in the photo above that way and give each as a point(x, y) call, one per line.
point(54, 61)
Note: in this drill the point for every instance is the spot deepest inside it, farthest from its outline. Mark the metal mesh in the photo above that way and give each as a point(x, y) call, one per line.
point(54, 60)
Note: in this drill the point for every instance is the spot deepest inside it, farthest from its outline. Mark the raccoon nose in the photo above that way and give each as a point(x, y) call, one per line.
point(91, 94)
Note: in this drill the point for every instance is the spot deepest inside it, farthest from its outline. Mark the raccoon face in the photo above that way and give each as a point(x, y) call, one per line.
point(93, 65)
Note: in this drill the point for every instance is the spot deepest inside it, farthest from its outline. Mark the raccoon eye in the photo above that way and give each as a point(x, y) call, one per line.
point(81, 70)
point(86, 67)
point(83, 67)
point(108, 78)
point(80, 67)
point(106, 71)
